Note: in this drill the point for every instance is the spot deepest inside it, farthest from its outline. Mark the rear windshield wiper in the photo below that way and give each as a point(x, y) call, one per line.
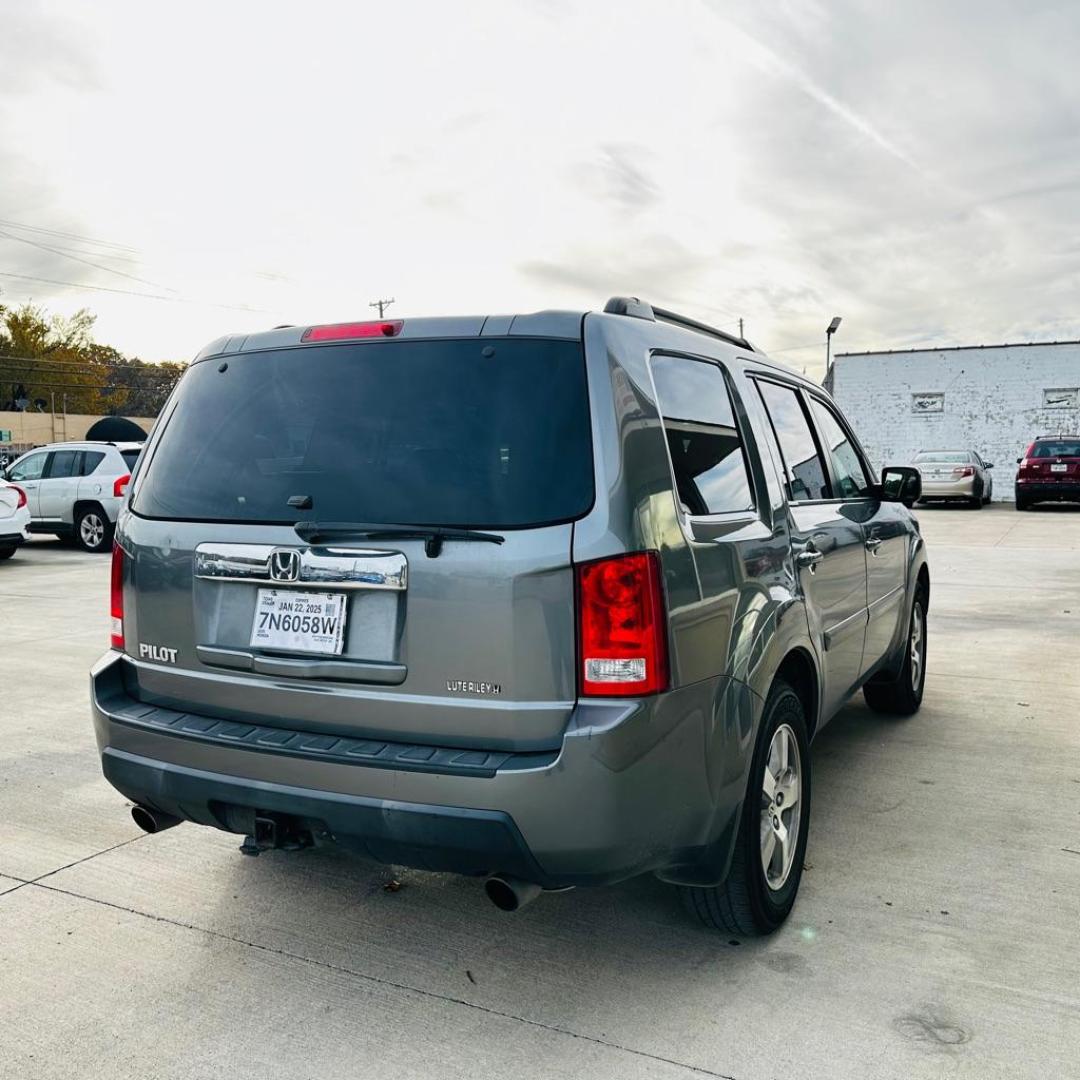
point(434, 536)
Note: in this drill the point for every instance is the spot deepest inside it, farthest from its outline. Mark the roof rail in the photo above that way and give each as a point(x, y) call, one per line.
point(641, 309)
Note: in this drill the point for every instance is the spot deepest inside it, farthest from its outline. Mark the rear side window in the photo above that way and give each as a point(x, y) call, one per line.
point(482, 432)
point(848, 472)
point(130, 457)
point(702, 436)
point(63, 463)
point(803, 467)
point(91, 460)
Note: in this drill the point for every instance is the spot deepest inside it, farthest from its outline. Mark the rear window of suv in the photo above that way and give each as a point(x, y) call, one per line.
point(484, 432)
point(1057, 448)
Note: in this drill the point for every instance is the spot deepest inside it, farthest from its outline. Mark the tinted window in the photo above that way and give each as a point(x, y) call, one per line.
point(802, 462)
point(848, 472)
point(484, 432)
point(1057, 448)
point(29, 468)
point(130, 457)
point(64, 463)
point(706, 451)
point(91, 460)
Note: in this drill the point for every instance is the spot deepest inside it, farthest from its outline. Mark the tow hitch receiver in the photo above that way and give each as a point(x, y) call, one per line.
point(272, 833)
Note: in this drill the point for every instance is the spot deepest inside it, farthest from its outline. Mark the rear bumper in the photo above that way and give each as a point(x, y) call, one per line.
point(637, 786)
point(949, 489)
point(1053, 491)
point(12, 539)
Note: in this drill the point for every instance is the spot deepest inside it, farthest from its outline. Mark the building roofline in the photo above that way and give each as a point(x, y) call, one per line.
point(954, 348)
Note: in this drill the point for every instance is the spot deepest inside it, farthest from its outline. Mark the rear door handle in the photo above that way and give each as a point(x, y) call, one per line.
point(873, 544)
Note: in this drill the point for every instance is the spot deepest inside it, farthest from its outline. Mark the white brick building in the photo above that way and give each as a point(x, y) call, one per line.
point(991, 398)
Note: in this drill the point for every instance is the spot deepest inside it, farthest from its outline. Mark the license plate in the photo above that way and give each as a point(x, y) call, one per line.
point(1059, 468)
point(295, 621)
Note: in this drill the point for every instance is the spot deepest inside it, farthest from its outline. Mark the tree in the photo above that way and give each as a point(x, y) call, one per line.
point(55, 361)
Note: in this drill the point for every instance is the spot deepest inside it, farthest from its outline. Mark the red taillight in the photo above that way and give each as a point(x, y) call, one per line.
point(964, 470)
point(622, 631)
point(21, 496)
point(340, 331)
point(116, 597)
point(120, 485)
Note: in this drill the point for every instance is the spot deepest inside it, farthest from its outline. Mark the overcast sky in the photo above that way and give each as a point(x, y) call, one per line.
point(913, 167)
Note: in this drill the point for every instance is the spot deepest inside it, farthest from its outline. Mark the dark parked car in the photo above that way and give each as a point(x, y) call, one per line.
point(551, 599)
point(1049, 471)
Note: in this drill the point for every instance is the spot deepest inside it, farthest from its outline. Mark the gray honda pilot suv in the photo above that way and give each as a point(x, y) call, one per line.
point(552, 600)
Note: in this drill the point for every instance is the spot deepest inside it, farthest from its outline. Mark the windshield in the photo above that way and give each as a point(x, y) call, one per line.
point(1057, 448)
point(949, 457)
point(484, 432)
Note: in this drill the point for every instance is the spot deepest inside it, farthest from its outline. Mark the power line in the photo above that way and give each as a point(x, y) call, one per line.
point(382, 305)
point(132, 365)
point(68, 236)
point(28, 379)
point(132, 292)
point(85, 262)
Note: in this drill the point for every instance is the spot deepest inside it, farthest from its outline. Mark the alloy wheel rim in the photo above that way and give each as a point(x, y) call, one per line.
point(781, 807)
point(916, 645)
point(92, 530)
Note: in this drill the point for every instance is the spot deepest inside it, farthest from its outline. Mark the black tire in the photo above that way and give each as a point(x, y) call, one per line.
point(976, 504)
point(6, 552)
point(93, 530)
point(746, 904)
point(903, 695)
point(1022, 503)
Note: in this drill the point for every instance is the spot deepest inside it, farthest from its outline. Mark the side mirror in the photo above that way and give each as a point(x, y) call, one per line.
point(988, 464)
point(902, 484)
point(1019, 460)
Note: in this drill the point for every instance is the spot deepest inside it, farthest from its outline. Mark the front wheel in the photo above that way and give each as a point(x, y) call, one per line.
point(767, 863)
point(93, 530)
point(903, 696)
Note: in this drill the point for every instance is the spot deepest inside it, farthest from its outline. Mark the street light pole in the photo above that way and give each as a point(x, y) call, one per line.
point(829, 331)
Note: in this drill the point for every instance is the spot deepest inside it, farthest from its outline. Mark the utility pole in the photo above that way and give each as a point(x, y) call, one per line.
point(741, 334)
point(382, 305)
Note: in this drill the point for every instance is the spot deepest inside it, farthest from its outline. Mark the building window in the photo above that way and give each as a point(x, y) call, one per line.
point(1067, 397)
point(927, 403)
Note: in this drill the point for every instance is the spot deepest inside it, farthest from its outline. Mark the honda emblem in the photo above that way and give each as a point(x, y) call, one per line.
point(285, 565)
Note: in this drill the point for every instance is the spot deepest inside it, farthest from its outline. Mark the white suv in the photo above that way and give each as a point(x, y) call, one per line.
point(75, 489)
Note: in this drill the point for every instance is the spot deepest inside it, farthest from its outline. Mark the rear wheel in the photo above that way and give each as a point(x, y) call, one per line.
point(903, 696)
point(767, 864)
point(6, 552)
point(1021, 502)
point(93, 530)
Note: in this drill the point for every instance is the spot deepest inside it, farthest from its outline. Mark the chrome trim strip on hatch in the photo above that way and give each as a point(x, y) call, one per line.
point(282, 566)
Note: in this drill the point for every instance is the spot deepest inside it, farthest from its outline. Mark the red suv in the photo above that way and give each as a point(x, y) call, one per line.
point(1049, 471)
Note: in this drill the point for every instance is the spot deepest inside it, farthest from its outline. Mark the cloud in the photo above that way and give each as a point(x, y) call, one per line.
point(37, 49)
point(649, 266)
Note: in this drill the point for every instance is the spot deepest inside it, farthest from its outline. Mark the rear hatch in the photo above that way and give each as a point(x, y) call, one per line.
point(1051, 461)
point(367, 539)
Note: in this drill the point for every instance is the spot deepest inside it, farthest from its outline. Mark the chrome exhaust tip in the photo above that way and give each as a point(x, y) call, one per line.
point(510, 893)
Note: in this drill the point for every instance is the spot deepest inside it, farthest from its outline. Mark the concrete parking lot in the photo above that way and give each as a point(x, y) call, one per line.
point(936, 933)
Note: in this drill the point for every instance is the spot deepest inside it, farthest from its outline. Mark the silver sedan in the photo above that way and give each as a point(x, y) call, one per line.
point(955, 475)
